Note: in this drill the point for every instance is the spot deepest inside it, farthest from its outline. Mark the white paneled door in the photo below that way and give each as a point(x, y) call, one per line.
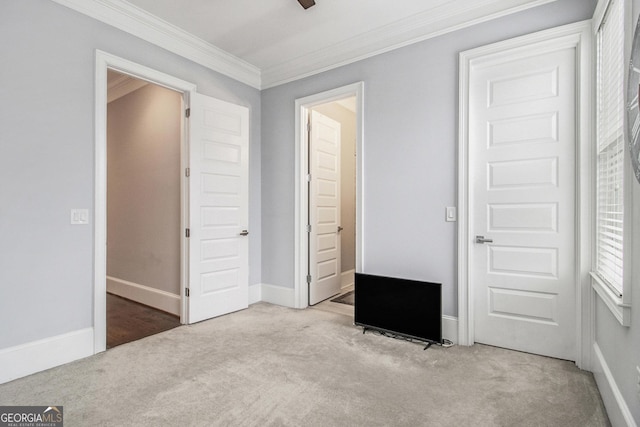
point(522, 150)
point(324, 208)
point(218, 208)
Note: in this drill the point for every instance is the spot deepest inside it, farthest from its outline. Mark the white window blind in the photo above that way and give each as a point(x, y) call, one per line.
point(610, 147)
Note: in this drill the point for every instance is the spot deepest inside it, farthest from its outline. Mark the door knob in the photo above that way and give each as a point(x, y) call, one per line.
point(244, 233)
point(340, 229)
point(482, 239)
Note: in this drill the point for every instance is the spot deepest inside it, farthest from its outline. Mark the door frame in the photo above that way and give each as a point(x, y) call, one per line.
point(106, 61)
point(578, 37)
point(302, 108)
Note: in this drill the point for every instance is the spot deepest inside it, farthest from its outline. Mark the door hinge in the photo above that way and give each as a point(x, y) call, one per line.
point(186, 292)
point(308, 228)
point(308, 177)
point(309, 127)
point(187, 112)
point(187, 233)
point(187, 172)
point(308, 279)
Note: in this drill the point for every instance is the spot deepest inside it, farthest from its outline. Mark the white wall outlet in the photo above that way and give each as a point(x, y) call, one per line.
point(79, 216)
point(451, 214)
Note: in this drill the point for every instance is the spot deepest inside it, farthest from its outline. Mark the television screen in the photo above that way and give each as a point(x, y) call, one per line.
point(405, 307)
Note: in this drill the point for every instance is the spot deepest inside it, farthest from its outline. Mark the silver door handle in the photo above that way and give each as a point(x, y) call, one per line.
point(244, 233)
point(481, 239)
point(340, 229)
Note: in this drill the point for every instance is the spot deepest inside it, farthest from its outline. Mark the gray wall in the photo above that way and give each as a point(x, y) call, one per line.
point(410, 140)
point(347, 120)
point(47, 160)
point(620, 345)
point(143, 188)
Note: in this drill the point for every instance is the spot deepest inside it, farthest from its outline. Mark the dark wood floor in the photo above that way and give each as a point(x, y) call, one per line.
point(129, 321)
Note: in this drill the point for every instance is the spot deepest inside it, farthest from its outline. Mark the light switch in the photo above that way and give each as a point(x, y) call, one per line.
point(451, 214)
point(79, 216)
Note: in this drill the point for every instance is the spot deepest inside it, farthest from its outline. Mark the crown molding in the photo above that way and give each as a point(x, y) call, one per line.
point(133, 20)
point(419, 27)
point(432, 23)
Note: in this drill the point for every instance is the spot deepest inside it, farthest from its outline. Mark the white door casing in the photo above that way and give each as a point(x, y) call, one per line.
point(301, 238)
point(218, 208)
point(525, 184)
point(324, 208)
point(106, 61)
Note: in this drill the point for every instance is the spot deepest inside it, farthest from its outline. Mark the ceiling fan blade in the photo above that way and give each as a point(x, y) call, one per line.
point(306, 3)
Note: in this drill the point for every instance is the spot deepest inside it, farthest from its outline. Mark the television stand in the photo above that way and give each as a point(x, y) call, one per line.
point(397, 336)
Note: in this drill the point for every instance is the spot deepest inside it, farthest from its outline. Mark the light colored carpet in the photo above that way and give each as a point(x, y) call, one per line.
point(273, 366)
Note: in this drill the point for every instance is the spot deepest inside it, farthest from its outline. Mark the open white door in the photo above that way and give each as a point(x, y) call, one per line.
point(522, 139)
point(324, 208)
point(218, 208)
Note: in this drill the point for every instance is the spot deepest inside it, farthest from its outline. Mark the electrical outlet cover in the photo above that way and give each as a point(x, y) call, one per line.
point(79, 216)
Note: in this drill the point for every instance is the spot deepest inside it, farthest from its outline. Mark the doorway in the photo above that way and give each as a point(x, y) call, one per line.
point(144, 122)
point(332, 198)
point(342, 105)
point(214, 189)
point(105, 62)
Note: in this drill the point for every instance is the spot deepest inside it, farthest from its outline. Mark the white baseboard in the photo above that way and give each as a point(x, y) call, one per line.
point(155, 298)
point(450, 328)
point(617, 409)
point(255, 293)
point(26, 359)
point(347, 279)
point(278, 295)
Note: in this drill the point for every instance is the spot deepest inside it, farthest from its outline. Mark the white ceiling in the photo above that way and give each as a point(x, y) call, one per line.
point(266, 33)
point(279, 41)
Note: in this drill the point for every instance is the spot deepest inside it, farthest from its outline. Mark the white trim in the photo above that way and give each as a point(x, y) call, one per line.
point(422, 26)
point(617, 410)
point(465, 306)
point(26, 359)
point(301, 250)
point(598, 14)
point(255, 293)
point(278, 295)
point(103, 61)
point(416, 28)
point(629, 260)
point(347, 279)
point(585, 301)
point(450, 328)
point(577, 35)
point(620, 310)
point(133, 20)
point(156, 298)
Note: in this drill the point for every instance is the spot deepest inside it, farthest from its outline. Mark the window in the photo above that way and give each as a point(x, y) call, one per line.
point(610, 147)
point(610, 152)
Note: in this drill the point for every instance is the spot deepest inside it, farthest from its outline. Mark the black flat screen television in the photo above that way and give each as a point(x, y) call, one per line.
point(409, 308)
